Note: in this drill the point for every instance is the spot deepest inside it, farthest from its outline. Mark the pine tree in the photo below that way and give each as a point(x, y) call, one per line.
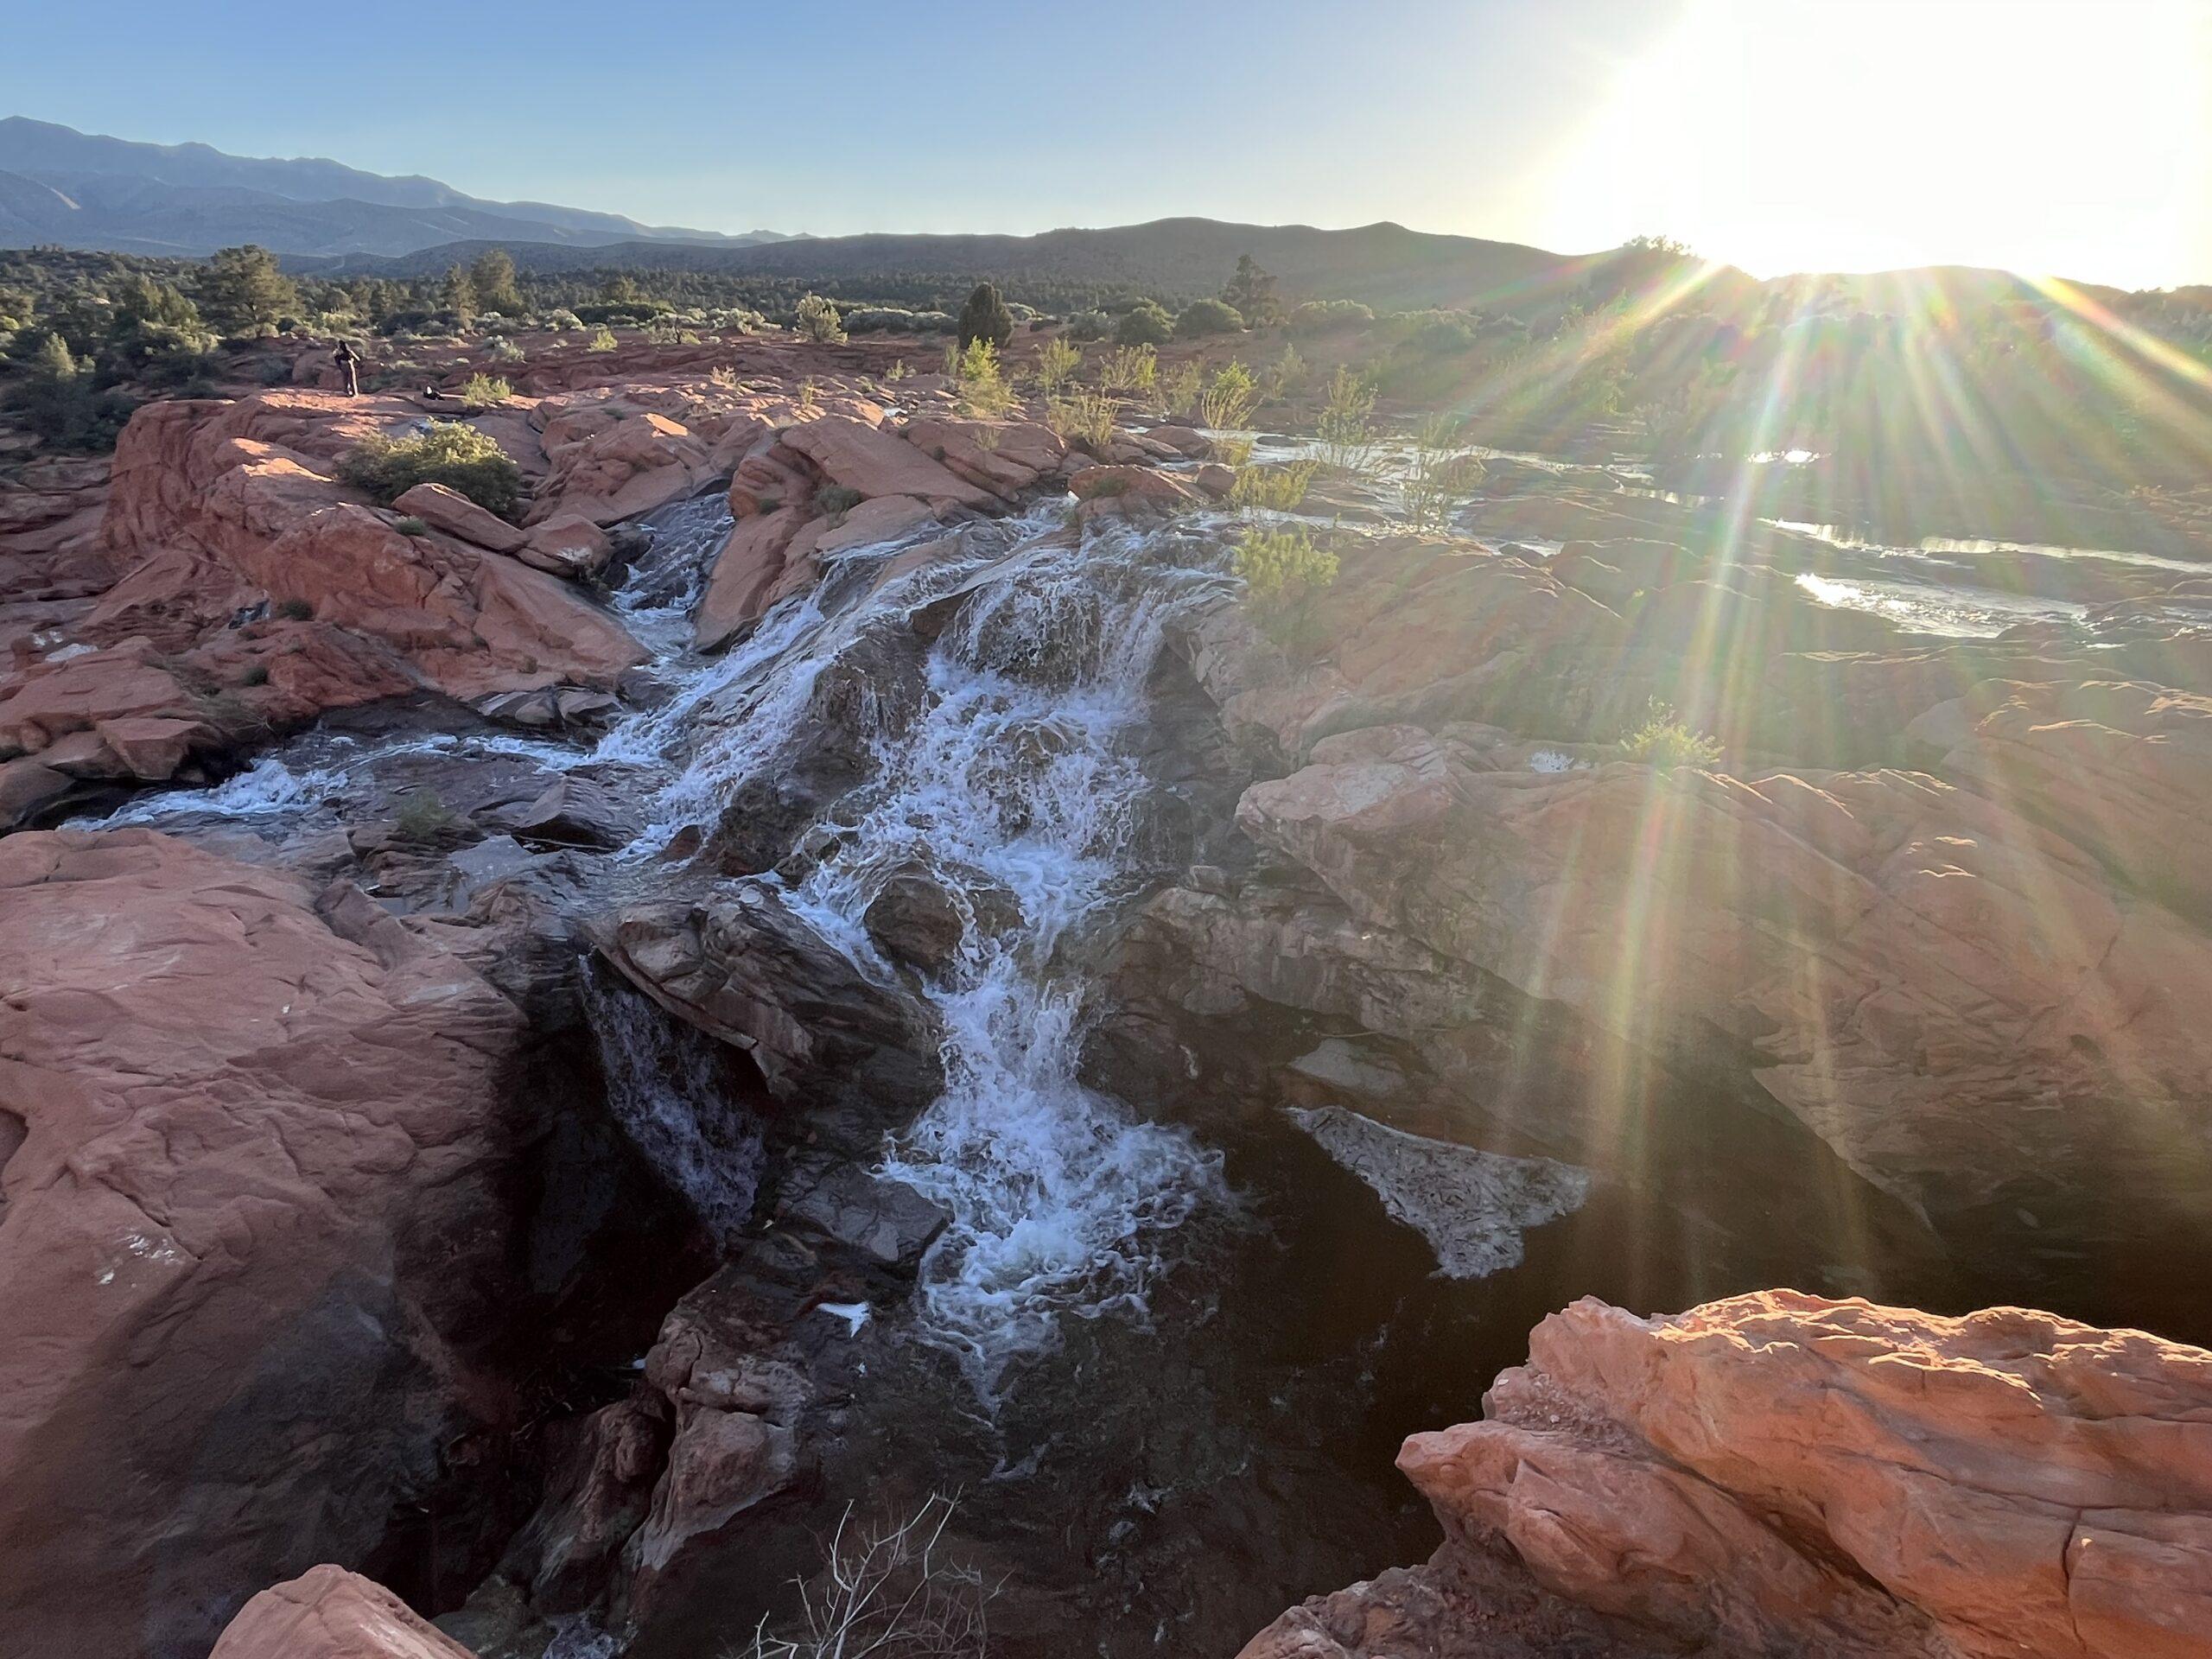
point(985, 317)
point(459, 295)
point(493, 274)
point(1251, 294)
point(245, 293)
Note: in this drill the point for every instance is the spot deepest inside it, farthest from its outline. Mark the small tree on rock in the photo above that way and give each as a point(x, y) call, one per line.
point(985, 317)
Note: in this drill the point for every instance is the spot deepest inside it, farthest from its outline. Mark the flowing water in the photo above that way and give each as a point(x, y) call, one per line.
point(1169, 1349)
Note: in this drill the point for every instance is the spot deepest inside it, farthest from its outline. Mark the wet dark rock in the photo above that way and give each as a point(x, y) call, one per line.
point(885, 1223)
point(744, 969)
point(871, 693)
point(919, 919)
point(578, 810)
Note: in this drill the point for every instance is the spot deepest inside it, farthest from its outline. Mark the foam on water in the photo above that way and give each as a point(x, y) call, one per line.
point(1013, 777)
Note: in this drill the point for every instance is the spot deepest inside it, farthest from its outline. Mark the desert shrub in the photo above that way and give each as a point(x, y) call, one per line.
point(982, 392)
point(1284, 575)
point(834, 500)
point(1346, 426)
point(1055, 365)
point(298, 610)
point(1129, 368)
point(724, 376)
point(636, 309)
point(500, 349)
point(1147, 324)
point(482, 390)
point(57, 400)
point(449, 452)
point(560, 320)
point(1278, 489)
point(602, 339)
point(1203, 317)
point(1085, 415)
point(1664, 742)
point(1317, 317)
point(411, 525)
point(1226, 403)
point(1089, 325)
point(985, 317)
point(891, 320)
point(810, 392)
point(886, 1592)
point(424, 816)
point(817, 319)
point(1286, 373)
point(255, 674)
point(1180, 388)
point(897, 371)
point(1440, 476)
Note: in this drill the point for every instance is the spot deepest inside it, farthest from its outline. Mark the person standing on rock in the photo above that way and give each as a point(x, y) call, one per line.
point(349, 365)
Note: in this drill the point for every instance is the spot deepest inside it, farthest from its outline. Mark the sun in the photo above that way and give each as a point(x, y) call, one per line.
point(2070, 139)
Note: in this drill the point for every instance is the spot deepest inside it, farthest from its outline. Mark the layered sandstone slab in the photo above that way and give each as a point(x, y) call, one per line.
point(252, 1151)
point(329, 1613)
point(1780, 1473)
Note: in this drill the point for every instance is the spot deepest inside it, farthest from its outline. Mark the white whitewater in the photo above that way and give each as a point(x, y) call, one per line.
point(1013, 777)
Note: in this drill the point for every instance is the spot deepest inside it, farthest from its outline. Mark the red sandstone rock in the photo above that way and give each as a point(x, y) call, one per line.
point(875, 463)
point(329, 1613)
point(1922, 972)
point(455, 514)
point(748, 567)
point(1780, 1473)
point(253, 1207)
point(570, 545)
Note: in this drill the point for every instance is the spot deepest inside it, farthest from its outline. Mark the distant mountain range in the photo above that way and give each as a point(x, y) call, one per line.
point(81, 190)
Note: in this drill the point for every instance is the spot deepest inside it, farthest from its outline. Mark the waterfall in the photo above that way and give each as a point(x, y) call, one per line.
point(1011, 779)
point(663, 1087)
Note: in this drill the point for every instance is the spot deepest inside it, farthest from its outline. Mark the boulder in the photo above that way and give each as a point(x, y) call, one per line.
point(576, 810)
point(329, 1613)
point(746, 972)
point(1781, 1473)
point(252, 1232)
point(875, 463)
point(569, 545)
point(750, 565)
point(450, 511)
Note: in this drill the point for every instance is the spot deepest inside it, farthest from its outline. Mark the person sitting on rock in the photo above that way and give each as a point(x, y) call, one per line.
point(349, 365)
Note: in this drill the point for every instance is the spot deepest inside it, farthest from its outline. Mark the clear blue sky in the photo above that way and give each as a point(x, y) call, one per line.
point(935, 115)
point(2067, 136)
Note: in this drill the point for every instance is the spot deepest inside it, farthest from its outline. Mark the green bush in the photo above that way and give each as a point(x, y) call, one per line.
point(1316, 316)
point(1205, 317)
point(1665, 742)
point(985, 317)
point(482, 390)
point(1089, 325)
point(834, 500)
point(298, 610)
point(817, 319)
point(424, 818)
point(1148, 324)
point(602, 339)
point(452, 454)
point(1284, 574)
point(411, 525)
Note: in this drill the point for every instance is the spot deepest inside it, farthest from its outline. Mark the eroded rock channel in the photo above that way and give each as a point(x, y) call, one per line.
point(931, 1002)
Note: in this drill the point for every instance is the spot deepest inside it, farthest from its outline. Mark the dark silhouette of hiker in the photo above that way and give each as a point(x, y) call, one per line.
point(349, 363)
